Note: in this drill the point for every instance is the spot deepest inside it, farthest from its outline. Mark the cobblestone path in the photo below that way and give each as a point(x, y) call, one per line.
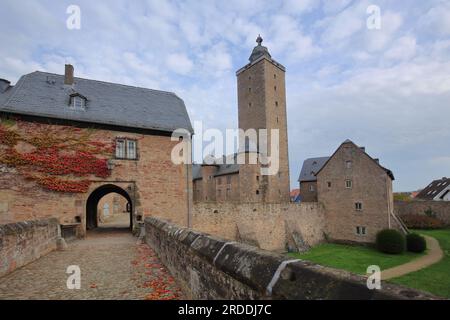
point(112, 266)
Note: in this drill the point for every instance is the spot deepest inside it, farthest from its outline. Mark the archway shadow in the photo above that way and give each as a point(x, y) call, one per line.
point(92, 208)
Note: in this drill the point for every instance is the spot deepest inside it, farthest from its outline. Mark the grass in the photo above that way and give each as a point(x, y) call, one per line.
point(435, 278)
point(355, 259)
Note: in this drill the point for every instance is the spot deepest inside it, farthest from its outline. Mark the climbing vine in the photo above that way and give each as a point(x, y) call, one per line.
point(58, 158)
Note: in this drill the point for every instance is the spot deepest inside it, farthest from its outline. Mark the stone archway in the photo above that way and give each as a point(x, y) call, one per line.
point(94, 198)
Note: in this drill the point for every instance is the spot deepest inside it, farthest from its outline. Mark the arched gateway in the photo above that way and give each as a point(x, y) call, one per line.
point(94, 198)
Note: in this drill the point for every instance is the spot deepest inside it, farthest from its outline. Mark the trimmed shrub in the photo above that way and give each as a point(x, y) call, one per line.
point(416, 243)
point(391, 241)
point(416, 221)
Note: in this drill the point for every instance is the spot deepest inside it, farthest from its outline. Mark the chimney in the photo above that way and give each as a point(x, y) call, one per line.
point(4, 84)
point(68, 75)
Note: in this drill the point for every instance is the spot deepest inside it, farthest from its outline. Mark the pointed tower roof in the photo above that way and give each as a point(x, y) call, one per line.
point(259, 50)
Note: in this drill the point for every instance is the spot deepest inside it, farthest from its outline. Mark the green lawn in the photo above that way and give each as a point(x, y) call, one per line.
point(353, 258)
point(435, 278)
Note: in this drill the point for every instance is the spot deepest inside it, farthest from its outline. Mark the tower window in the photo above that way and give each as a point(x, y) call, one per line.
point(276, 103)
point(358, 206)
point(249, 104)
point(277, 119)
point(274, 76)
point(249, 78)
point(348, 184)
point(275, 88)
point(249, 89)
point(257, 191)
point(348, 164)
point(329, 184)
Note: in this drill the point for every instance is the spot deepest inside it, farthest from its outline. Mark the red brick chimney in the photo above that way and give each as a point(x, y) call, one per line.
point(68, 75)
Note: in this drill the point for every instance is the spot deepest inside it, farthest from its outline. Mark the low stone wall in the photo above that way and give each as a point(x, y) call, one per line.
point(24, 242)
point(275, 227)
point(212, 268)
point(441, 208)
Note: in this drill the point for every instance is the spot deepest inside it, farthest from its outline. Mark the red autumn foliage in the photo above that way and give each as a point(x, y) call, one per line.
point(59, 156)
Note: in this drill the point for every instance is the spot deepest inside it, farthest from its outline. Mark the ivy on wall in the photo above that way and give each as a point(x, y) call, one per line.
point(58, 158)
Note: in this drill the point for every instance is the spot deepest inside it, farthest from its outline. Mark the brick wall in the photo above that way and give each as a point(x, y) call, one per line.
point(208, 268)
point(276, 227)
point(24, 242)
point(441, 208)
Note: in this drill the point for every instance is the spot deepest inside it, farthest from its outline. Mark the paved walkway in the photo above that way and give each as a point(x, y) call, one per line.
point(434, 254)
point(112, 266)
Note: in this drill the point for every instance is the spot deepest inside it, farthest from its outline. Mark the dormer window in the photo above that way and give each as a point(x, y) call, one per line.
point(77, 101)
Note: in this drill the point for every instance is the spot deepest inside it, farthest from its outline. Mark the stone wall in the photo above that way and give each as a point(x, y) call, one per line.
point(276, 227)
point(211, 268)
point(441, 208)
point(24, 242)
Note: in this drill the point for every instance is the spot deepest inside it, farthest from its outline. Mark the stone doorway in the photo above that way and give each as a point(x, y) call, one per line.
point(98, 216)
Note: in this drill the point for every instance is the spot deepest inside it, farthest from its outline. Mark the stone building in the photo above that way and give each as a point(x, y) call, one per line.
point(65, 142)
point(261, 105)
point(355, 191)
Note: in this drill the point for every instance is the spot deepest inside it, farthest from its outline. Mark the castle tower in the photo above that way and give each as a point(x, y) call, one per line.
point(262, 105)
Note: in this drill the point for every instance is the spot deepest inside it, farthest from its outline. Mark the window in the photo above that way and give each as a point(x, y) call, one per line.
point(249, 89)
point(126, 149)
point(257, 191)
point(358, 206)
point(249, 104)
point(348, 184)
point(276, 103)
point(274, 76)
point(361, 231)
point(348, 164)
point(311, 188)
point(78, 102)
point(257, 178)
point(275, 88)
point(329, 184)
point(277, 119)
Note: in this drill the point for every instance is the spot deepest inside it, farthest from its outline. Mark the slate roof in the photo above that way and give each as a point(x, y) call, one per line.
point(310, 167)
point(45, 95)
point(434, 189)
point(363, 149)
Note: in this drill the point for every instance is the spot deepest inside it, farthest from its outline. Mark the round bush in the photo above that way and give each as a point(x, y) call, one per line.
point(391, 241)
point(416, 243)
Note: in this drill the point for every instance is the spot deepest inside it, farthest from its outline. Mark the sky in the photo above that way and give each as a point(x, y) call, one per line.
point(387, 89)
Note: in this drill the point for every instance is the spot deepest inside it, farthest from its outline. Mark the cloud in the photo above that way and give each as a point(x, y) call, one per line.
point(179, 63)
point(403, 49)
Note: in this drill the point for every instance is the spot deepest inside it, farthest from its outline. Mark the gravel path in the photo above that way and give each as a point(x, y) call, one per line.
point(112, 266)
point(434, 254)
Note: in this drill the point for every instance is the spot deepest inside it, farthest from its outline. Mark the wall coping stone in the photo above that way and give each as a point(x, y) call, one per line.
point(255, 268)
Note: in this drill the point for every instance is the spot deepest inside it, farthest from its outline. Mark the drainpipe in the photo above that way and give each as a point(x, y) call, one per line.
point(188, 185)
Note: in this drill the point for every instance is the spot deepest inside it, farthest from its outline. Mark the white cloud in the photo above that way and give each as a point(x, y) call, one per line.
point(403, 49)
point(437, 20)
point(179, 63)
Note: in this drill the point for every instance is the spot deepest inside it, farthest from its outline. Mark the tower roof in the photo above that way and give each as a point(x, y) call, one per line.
point(259, 50)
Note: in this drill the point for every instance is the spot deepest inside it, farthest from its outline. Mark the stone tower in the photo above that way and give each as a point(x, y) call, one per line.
point(262, 105)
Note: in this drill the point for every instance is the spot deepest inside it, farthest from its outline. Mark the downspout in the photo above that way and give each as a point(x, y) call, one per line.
point(188, 188)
